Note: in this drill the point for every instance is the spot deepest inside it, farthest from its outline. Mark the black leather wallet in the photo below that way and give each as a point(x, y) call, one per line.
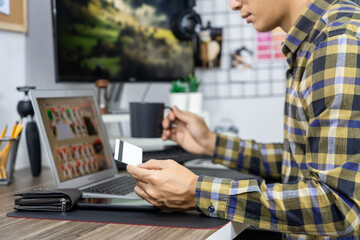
point(48, 200)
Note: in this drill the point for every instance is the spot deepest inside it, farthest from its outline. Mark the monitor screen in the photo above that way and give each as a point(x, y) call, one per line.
point(119, 40)
point(75, 137)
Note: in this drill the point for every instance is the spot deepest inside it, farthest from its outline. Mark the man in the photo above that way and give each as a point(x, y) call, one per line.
point(319, 161)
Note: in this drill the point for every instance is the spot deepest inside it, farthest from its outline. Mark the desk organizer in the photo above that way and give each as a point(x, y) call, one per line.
point(8, 151)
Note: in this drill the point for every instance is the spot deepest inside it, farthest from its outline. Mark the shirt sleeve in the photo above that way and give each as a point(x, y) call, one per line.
point(326, 198)
point(248, 156)
point(308, 206)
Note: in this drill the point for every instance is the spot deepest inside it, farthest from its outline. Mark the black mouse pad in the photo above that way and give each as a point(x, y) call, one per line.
point(191, 219)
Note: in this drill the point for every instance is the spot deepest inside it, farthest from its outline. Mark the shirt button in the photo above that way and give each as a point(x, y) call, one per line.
point(211, 209)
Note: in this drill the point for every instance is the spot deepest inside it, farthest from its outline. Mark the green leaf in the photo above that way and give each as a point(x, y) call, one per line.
point(193, 83)
point(177, 86)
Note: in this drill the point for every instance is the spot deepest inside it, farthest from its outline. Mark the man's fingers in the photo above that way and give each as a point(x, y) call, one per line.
point(144, 195)
point(142, 185)
point(171, 116)
point(170, 134)
point(166, 123)
point(170, 121)
point(182, 115)
point(138, 173)
point(165, 134)
point(139, 191)
point(154, 164)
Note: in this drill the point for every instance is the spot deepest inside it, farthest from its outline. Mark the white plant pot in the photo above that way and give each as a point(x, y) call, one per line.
point(179, 99)
point(195, 101)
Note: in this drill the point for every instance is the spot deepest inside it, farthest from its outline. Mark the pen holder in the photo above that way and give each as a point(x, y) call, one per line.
point(8, 151)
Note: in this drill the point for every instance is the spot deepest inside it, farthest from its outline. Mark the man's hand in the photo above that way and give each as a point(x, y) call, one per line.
point(190, 132)
point(165, 184)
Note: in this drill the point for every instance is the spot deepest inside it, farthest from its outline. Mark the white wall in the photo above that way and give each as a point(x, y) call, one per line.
point(12, 74)
point(29, 59)
point(260, 119)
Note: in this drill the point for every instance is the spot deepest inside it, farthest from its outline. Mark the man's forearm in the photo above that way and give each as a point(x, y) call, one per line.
point(307, 206)
point(249, 156)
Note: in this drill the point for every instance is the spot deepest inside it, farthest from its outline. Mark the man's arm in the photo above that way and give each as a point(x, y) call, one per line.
point(194, 136)
point(308, 206)
point(249, 156)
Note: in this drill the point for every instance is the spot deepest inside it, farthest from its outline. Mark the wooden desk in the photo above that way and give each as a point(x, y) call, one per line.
point(19, 228)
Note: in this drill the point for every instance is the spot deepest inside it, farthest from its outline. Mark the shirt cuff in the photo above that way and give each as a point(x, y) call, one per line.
point(211, 197)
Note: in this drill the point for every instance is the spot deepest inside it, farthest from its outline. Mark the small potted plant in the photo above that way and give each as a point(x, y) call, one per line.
point(195, 98)
point(178, 94)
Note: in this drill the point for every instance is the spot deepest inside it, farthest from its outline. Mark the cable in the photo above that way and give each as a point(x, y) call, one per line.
point(145, 92)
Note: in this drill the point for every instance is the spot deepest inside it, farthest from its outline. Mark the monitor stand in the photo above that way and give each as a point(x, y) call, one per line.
point(114, 99)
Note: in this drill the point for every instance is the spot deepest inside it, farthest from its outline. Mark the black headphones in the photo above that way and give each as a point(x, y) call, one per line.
point(227, 126)
point(186, 25)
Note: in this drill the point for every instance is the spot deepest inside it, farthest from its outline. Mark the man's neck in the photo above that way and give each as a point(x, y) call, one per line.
point(295, 9)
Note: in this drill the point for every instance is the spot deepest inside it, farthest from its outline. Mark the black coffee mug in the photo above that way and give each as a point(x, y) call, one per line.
point(146, 118)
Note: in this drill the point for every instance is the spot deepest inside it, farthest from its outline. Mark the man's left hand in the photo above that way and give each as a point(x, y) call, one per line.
point(165, 184)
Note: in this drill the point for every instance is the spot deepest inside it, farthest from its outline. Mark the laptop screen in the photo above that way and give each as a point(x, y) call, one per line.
point(75, 136)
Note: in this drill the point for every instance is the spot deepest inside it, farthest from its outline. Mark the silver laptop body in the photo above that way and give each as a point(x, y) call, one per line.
point(75, 140)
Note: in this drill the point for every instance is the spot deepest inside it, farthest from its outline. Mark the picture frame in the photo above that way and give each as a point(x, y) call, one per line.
point(17, 18)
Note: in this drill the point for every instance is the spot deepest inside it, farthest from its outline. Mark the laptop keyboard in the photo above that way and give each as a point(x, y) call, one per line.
point(119, 186)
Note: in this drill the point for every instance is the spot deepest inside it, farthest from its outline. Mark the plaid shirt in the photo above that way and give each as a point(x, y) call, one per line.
point(319, 162)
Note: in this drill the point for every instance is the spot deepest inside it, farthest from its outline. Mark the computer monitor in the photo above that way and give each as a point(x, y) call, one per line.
point(119, 40)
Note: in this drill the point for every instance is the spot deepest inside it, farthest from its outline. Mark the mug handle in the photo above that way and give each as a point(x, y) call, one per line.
point(167, 107)
point(172, 125)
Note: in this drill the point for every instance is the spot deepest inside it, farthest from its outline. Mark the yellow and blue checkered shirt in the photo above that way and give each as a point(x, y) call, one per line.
point(318, 164)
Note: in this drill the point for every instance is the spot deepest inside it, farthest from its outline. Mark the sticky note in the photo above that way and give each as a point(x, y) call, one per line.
point(128, 153)
point(5, 7)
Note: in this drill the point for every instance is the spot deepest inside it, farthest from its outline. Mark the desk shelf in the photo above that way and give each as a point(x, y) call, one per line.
point(120, 117)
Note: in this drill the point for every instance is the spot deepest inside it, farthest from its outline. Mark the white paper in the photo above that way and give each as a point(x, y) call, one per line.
point(128, 153)
point(5, 7)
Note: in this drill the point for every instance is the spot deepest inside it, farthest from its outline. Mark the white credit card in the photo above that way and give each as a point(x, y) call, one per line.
point(128, 153)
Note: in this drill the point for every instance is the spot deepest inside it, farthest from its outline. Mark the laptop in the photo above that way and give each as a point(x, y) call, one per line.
point(77, 145)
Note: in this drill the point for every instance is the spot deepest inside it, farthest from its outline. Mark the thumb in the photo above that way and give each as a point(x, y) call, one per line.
point(182, 115)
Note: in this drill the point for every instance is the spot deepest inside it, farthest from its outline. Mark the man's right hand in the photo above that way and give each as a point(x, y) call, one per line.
point(189, 131)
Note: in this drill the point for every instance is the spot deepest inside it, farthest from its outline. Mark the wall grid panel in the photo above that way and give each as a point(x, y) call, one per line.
point(266, 78)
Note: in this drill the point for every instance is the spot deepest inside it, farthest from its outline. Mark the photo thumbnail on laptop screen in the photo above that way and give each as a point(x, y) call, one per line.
point(73, 129)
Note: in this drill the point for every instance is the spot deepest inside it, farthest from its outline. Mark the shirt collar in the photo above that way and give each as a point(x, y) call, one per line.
point(304, 24)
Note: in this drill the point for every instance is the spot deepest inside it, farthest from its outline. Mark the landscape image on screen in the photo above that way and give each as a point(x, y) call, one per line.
point(120, 40)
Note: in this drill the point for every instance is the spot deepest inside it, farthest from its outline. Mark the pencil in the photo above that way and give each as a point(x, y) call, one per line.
point(13, 129)
point(4, 160)
point(4, 154)
point(18, 129)
point(3, 132)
